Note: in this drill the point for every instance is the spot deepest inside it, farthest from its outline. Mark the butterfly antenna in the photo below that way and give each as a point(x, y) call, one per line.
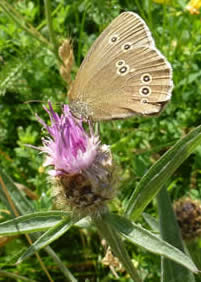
point(34, 101)
point(39, 101)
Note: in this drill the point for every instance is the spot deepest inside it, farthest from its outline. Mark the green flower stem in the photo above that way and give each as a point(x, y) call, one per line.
point(195, 252)
point(50, 27)
point(117, 246)
point(60, 264)
point(15, 276)
point(169, 231)
point(81, 31)
point(54, 12)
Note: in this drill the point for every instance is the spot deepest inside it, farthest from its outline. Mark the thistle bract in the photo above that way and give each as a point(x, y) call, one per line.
point(81, 168)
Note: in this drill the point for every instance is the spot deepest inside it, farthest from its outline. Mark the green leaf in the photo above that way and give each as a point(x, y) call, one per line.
point(147, 240)
point(33, 222)
point(22, 204)
point(170, 232)
point(10, 75)
point(153, 223)
point(48, 237)
point(161, 171)
point(116, 243)
point(25, 206)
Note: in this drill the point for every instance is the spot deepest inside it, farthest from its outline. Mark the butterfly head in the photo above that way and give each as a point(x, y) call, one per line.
point(80, 110)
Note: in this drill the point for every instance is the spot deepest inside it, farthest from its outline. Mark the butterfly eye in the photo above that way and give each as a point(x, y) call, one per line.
point(126, 46)
point(146, 78)
point(123, 70)
point(120, 63)
point(145, 91)
point(113, 38)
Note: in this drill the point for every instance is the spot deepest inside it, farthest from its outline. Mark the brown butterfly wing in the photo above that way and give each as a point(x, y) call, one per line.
point(126, 25)
point(123, 74)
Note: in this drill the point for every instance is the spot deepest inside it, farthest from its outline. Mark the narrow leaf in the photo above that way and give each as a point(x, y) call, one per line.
point(161, 171)
point(22, 204)
point(170, 232)
point(147, 240)
point(115, 242)
point(48, 237)
point(153, 223)
point(33, 222)
point(25, 206)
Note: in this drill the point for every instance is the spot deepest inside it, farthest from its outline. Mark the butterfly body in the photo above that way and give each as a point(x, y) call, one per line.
point(122, 75)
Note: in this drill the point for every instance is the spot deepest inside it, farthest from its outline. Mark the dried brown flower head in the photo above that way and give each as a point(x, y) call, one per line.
point(188, 214)
point(67, 57)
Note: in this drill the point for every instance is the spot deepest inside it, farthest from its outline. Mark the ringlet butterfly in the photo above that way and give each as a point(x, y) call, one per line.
point(122, 75)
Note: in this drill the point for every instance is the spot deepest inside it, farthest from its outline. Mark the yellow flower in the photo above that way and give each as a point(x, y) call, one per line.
point(162, 1)
point(193, 6)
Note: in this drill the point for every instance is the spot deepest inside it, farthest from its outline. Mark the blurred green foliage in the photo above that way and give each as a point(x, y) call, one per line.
point(29, 70)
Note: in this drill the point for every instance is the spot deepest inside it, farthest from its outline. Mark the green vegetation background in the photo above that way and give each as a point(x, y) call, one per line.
point(29, 70)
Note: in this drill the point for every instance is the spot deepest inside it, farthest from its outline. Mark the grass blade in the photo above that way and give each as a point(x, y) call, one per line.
point(161, 171)
point(170, 232)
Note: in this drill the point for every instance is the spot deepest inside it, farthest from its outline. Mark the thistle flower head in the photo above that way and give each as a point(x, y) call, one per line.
point(82, 170)
point(188, 214)
point(69, 149)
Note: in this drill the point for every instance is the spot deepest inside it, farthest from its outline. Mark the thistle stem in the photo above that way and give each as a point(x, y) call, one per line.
point(50, 27)
point(117, 246)
point(62, 267)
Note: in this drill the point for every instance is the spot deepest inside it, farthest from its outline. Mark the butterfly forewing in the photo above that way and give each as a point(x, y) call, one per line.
point(128, 26)
point(123, 74)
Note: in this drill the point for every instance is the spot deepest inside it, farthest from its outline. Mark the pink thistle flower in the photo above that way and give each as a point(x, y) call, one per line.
point(82, 169)
point(69, 149)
